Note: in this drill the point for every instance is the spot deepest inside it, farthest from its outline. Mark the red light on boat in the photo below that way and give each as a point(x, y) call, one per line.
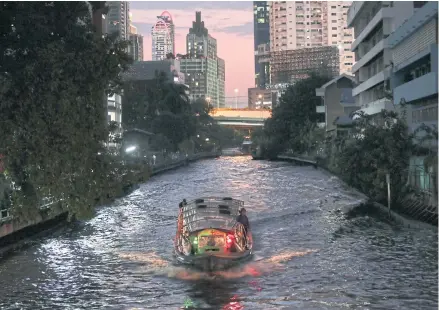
point(230, 238)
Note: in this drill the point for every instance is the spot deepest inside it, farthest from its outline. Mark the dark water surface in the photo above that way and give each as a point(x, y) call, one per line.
point(309, 256)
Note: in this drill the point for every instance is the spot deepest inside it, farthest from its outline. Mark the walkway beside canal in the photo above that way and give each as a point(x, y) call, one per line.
point(395, 215)
point(14, 229)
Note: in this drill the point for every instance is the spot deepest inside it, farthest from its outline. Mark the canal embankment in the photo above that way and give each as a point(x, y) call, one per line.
point(430, 221)
point(14, 231)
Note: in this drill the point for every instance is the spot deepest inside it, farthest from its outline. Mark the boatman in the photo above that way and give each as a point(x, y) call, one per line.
point(243, 219)
point(182, 204)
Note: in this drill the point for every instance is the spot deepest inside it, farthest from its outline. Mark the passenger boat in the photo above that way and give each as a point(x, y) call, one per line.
point(208, 236)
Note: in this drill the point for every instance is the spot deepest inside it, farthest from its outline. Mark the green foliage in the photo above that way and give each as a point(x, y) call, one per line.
point(161, 107)
point(377, 146)
point(55, 73)
point(291, 120)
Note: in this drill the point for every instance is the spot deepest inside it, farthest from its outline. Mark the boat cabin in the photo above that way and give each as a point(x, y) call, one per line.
point(210, 224)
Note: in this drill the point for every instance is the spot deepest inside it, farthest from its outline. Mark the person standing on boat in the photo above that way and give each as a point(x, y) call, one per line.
point(243, 219)
point(182, 204)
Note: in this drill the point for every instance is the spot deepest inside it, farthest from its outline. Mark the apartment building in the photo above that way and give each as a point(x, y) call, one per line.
point(308, 24)
point(373, 23)
point(414, 76)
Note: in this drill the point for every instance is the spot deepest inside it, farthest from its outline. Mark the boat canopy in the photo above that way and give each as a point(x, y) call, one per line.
point(211, 212)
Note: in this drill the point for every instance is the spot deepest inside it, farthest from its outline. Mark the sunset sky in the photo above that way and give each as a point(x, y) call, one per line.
point(231, 23)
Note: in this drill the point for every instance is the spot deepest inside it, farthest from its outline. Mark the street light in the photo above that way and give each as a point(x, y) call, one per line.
point(207, 139)
point(131, 149)
point(236, 97)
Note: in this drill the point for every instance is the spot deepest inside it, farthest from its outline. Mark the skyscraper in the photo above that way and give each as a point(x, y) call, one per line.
point(201, 64)
point(118, 18)
point(306, 24)
point(135, 48)
point(163, 37)
point(221, 70)
point(261, 37)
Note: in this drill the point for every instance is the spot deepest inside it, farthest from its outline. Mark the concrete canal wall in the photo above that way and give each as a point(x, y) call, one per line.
point(14, 230)
point(399, 218)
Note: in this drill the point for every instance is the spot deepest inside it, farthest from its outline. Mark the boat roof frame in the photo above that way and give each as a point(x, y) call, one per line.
point(211, 212)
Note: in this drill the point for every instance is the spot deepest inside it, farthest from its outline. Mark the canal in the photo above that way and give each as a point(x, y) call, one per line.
point(309, 254)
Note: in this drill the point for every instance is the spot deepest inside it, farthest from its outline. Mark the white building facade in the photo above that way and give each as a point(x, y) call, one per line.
point(304, 24)
point(115, 108)
point(373, 22)
point(414, 78)
point(163, 37)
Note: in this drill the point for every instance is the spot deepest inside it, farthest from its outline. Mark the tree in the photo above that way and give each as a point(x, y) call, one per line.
point(54, 73)
point(159, 106)
point(290, 120)
point(375, 151)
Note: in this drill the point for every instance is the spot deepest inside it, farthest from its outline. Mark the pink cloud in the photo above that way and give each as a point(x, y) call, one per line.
point(235, 49)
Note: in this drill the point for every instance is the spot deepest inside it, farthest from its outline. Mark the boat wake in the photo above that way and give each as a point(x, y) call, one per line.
point(157, 266)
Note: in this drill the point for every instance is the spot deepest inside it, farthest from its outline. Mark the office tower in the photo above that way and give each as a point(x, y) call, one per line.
point(118, 18)
point(261, 37)
point(221, 82)
point(200, 65)
point(163, 37)
point(135, 48)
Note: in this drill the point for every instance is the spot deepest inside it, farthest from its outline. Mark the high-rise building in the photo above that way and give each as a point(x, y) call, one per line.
point(221, 82)
point(261, 37)
point(135, 48)
point(118, 18)
point(307, 24)
point(200, 65)
point(163, 37)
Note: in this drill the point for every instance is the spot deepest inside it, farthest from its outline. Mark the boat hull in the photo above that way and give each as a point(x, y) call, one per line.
point(213, 262)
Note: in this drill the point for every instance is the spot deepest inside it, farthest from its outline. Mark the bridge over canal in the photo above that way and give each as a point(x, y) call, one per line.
point(241, 118)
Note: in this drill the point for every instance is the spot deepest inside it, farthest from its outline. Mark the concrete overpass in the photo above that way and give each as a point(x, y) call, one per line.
point(241, 118)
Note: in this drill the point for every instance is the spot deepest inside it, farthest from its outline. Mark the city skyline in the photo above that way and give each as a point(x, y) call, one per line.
point(231, 23)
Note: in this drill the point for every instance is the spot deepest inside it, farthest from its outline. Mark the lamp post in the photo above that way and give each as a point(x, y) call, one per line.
point(236, 97)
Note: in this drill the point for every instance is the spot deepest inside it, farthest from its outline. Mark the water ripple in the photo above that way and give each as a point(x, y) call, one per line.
point(308, 254)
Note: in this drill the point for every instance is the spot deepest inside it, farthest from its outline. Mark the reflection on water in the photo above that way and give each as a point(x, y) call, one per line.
point(309, 255)
point(159, 266)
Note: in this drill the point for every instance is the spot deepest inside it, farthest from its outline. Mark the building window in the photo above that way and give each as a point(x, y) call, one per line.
point(334, 35)
point(334, 28)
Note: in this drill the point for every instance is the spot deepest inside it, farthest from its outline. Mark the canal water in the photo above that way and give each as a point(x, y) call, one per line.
point(309, 254)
